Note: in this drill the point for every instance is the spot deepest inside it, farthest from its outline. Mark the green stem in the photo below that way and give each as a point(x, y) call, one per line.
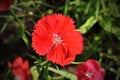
point(77, 62)
point(46, 72)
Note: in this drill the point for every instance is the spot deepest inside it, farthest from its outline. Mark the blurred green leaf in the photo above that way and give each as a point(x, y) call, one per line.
point(25, 39)
point(34, 72)
point(97, 9)
point(46, 72)
point(66, 7)
point(87, 25)
point(105, 23)
point(66, 74)
point(3, 27)
point(118, 74)
point(88, 7)
point(116, 31)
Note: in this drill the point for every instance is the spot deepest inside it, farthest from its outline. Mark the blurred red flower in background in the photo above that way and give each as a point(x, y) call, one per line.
point(5, 4)
point(90, 70)
point(55, 36)
point(20, 69)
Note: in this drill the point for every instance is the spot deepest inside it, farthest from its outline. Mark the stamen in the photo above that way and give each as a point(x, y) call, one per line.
point(89, 74)
point(56, 39)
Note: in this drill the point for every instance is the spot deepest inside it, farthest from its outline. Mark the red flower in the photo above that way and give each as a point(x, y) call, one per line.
point(20, 69)
point(55, 36)
point(5, 4)
point(90, 70)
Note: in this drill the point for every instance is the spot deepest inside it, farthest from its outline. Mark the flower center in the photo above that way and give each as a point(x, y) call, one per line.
point(18, 77)
point(89, 74)
point(56, 39)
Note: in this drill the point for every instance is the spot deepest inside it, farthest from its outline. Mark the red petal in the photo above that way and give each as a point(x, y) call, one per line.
point(64, 24)
point(97, 76)
point(74, 41)
point(18, 71)
point(41, 43)
point(5, 4)
point(41, 38)
point(58, 56)
point(58, 23)
point(18, 62)
point(102, 71)
point(25, 65)
point(93, 64)
point(51, 23)
point(82, 68)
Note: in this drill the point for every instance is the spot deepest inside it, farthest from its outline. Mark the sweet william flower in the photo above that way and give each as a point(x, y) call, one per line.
point(55, 37)
point(20, 69)
point(5, 4)
point(90, 70)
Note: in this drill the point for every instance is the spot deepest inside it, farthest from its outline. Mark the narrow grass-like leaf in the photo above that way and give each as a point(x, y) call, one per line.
point(66, 7)
point(97, 9)
point(88, 7)
point(4, 26)
point(46, 72)
point(118, 74)
point(24, 37)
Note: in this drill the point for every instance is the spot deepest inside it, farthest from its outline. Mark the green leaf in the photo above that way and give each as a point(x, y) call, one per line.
point(66, 7)
point(97, 9)
point(3, 28)
point(118, 74)
point(46, 72)
point(116, 31)
point(34, 72)
point(87, 25)
point(105, 23)
point(68, 75)
point(24, 37)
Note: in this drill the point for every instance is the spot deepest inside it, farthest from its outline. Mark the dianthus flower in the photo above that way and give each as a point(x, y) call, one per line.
point(90, 70)
point(20, 69)
point(55, 36)
point(5, 4)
